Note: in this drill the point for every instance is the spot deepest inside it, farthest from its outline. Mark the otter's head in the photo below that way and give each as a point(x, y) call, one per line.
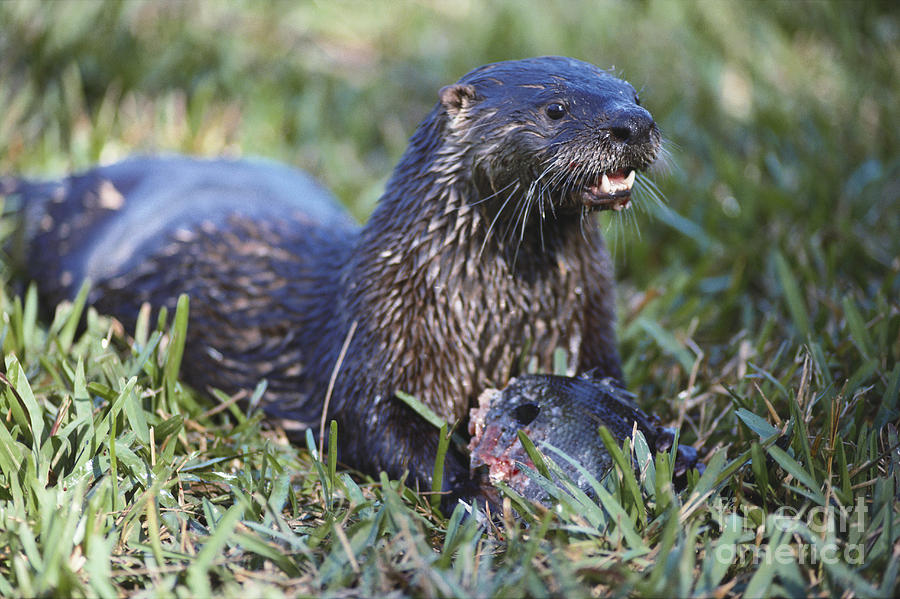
point(552, 130)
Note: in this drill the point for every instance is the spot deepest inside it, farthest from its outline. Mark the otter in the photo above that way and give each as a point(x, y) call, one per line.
point(482, 257)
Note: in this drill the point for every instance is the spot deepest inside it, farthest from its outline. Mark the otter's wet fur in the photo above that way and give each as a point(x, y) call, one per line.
point(481, 256)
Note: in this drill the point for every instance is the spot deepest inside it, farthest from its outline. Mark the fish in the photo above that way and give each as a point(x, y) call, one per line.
point(565, 413)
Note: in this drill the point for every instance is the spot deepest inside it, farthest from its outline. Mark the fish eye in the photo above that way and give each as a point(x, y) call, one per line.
point(556, 110)
point(526, 413)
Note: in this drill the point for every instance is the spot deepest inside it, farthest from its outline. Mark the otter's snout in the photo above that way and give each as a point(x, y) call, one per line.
point(632, 125)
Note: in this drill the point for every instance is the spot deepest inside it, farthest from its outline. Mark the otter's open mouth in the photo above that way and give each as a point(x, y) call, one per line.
point(611, 191)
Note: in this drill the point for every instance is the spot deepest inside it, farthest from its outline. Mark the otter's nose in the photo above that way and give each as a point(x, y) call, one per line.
point(632, 125)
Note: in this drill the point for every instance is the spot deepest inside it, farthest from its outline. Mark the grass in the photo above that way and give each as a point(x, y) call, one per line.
point(759, 306)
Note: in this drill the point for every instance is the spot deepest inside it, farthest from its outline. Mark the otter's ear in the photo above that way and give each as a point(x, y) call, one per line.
point(456, 97)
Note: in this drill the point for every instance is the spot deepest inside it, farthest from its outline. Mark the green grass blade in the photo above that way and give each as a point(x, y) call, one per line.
point(625, 466)
point(792, 295)
point(437, 477)
point(134, 411)
point(798, 472)
point(537, 459)
point(67, 334)
point(332, 453)
point(755, 423)
point(889, 410)
point(198, 572)
point(421, 409)
point(19, 382)
point(668, 342)
point(859, 334)
point(177, 337)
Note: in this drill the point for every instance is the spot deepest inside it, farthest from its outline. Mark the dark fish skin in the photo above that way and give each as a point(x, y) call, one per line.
point(565, 412)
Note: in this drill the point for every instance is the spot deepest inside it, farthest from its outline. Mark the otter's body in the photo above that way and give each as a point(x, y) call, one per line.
point(481, 257)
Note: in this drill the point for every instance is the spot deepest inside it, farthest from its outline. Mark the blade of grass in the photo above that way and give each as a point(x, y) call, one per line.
point(624, 465)
point(792, 295)
point(175, 352)
point(19, 383)
point(437, 477)
point(758, 425)
point(798, 472)
point(198, 573)
point(67, 334)
point(859, 334)
point(421, 409)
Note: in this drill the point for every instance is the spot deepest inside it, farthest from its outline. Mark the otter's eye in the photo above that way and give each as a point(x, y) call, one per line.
point(556, 110)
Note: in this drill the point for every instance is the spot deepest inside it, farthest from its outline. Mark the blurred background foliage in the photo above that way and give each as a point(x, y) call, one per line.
point(780, 119)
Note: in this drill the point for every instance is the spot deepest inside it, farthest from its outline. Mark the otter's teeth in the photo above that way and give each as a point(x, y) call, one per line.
point(618, 183)
point(605, 187)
